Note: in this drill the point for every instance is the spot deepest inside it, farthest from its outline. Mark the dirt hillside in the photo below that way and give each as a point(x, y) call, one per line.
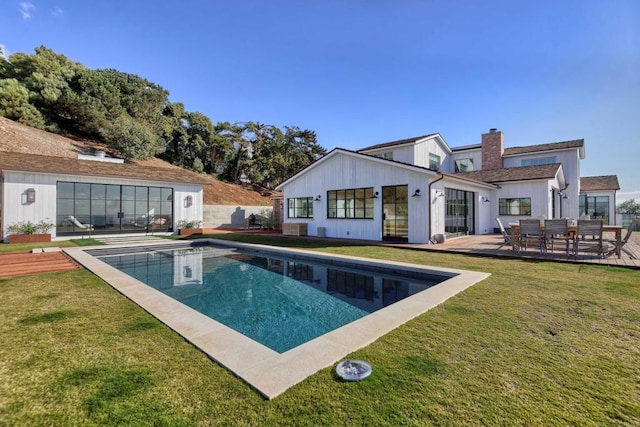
point(18, 138)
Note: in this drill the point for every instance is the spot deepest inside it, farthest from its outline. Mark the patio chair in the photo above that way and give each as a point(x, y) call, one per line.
point(531, 233)
point(74, 221)
point(620, 248)
point(588, 237)
point(556, 230)
point(509, 239)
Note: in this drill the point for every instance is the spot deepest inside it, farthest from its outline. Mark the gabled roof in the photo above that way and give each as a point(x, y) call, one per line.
point(594, 183)
point(467, 147)
point(399, 142)
point(344, 151)
point(521, 173)
point(576, 143)
point(25, 162)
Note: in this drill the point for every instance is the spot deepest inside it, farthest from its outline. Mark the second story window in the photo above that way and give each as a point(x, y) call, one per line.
point(464, 165)
point(538, 161)
point(434, 162)
point(386, 155)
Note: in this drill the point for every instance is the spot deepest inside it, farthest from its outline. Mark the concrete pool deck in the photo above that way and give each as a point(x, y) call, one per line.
point(269, 372)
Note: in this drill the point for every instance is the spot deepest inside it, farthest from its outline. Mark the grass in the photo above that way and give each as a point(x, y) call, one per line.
point(537, 343)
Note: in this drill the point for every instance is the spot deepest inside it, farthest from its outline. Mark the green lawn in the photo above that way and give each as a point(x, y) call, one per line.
point(537, 343)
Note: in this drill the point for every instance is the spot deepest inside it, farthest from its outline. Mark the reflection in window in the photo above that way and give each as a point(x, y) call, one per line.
point(520, 206)
point(538, 161)
point(353, 203)
point(434, 162)
point(464, 165)
point(300, 207)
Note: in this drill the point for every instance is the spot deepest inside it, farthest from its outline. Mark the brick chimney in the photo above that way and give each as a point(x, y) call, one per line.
point(492, 149)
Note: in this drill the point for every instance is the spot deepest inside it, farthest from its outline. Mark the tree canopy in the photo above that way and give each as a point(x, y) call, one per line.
point(628, 207)
point(48, 91)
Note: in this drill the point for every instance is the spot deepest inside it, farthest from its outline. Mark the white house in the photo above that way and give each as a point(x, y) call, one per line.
point(95, 194)
point(420, 190)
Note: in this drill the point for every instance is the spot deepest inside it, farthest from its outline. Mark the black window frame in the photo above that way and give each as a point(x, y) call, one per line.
point(352, 203)
point(505, 205)
point(433, 157)
point(300, 207)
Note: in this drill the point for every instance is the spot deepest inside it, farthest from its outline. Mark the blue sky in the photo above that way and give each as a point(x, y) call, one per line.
point(362, 72)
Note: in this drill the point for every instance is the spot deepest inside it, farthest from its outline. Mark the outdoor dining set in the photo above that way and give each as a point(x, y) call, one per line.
point(573, 237)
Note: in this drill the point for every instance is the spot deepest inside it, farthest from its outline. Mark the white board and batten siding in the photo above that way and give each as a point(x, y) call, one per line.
point(16, 209)
point(538, 190)
point(342, 172)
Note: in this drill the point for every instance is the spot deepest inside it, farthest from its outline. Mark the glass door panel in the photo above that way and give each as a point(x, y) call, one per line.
point(395, 213)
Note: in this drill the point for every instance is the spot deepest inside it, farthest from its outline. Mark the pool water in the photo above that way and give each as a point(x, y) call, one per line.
point(278, 301)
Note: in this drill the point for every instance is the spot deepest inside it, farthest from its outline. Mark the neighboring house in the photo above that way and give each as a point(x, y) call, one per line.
point(420, 190)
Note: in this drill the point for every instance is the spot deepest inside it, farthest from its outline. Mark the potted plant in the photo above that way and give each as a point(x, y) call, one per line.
point(29, 232)
point(187, 227)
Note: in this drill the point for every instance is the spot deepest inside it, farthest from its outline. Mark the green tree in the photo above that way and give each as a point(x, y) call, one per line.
point(14, 104)
point(133, 139)
point(628, 207)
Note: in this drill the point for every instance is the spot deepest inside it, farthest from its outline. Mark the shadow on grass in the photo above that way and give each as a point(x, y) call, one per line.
point(54, 316)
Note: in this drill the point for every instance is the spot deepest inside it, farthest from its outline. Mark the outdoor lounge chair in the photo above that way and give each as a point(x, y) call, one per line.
point(509, 239)
point(588, 237)
point(618, 248)
point(74, 221)
point(556, 230)
point(531, 232)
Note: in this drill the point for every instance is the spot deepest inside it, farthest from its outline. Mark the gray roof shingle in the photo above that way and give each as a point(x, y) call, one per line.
point(594, 183)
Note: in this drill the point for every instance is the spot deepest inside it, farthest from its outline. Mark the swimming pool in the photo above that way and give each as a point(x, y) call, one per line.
point(277, 300)
point(266, 370)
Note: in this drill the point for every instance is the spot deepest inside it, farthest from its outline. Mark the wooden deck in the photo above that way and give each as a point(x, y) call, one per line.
point(493, 245)
point(26, 263)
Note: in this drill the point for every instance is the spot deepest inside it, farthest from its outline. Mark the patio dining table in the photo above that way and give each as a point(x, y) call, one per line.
point(617, 229)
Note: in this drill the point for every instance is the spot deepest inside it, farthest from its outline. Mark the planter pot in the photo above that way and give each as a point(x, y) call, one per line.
point(189, 231)
point(29, 238)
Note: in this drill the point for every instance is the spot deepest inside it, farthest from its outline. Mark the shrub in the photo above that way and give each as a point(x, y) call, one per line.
point(192, 223)
point(28, 227)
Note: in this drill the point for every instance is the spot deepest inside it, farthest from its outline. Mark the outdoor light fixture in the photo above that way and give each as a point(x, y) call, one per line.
point(375, 195)
point(484, 199)
point(416, 193)
point(317, 199)
point(439, 193)
point(31, 195)
point(188, 201)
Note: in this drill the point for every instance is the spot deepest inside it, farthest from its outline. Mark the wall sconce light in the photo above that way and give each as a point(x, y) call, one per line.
point(31, 195)
point(563, 195)
point(188, 201)
point(484, 199)
point(416, 193)
point(375, 195)
point(317, 199)
point(439, 193)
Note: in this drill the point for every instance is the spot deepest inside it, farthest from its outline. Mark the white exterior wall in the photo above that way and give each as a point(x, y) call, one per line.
point(538, 191)
point(347, 172)
point(475, 154)
point(44, 208)
point(612, 204)
point(570, 160)
point(431, 145)
point(484, 212)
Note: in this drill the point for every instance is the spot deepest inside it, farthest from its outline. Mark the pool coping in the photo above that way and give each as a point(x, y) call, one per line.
point(269, 372)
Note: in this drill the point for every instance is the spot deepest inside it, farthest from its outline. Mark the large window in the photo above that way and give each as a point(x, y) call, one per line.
point(520, 206)
point(105, 208)
point(434, 162)
point(301, 207)
point(597, 207)
point(538, 161)
point(464, 165)
point(354, 203)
